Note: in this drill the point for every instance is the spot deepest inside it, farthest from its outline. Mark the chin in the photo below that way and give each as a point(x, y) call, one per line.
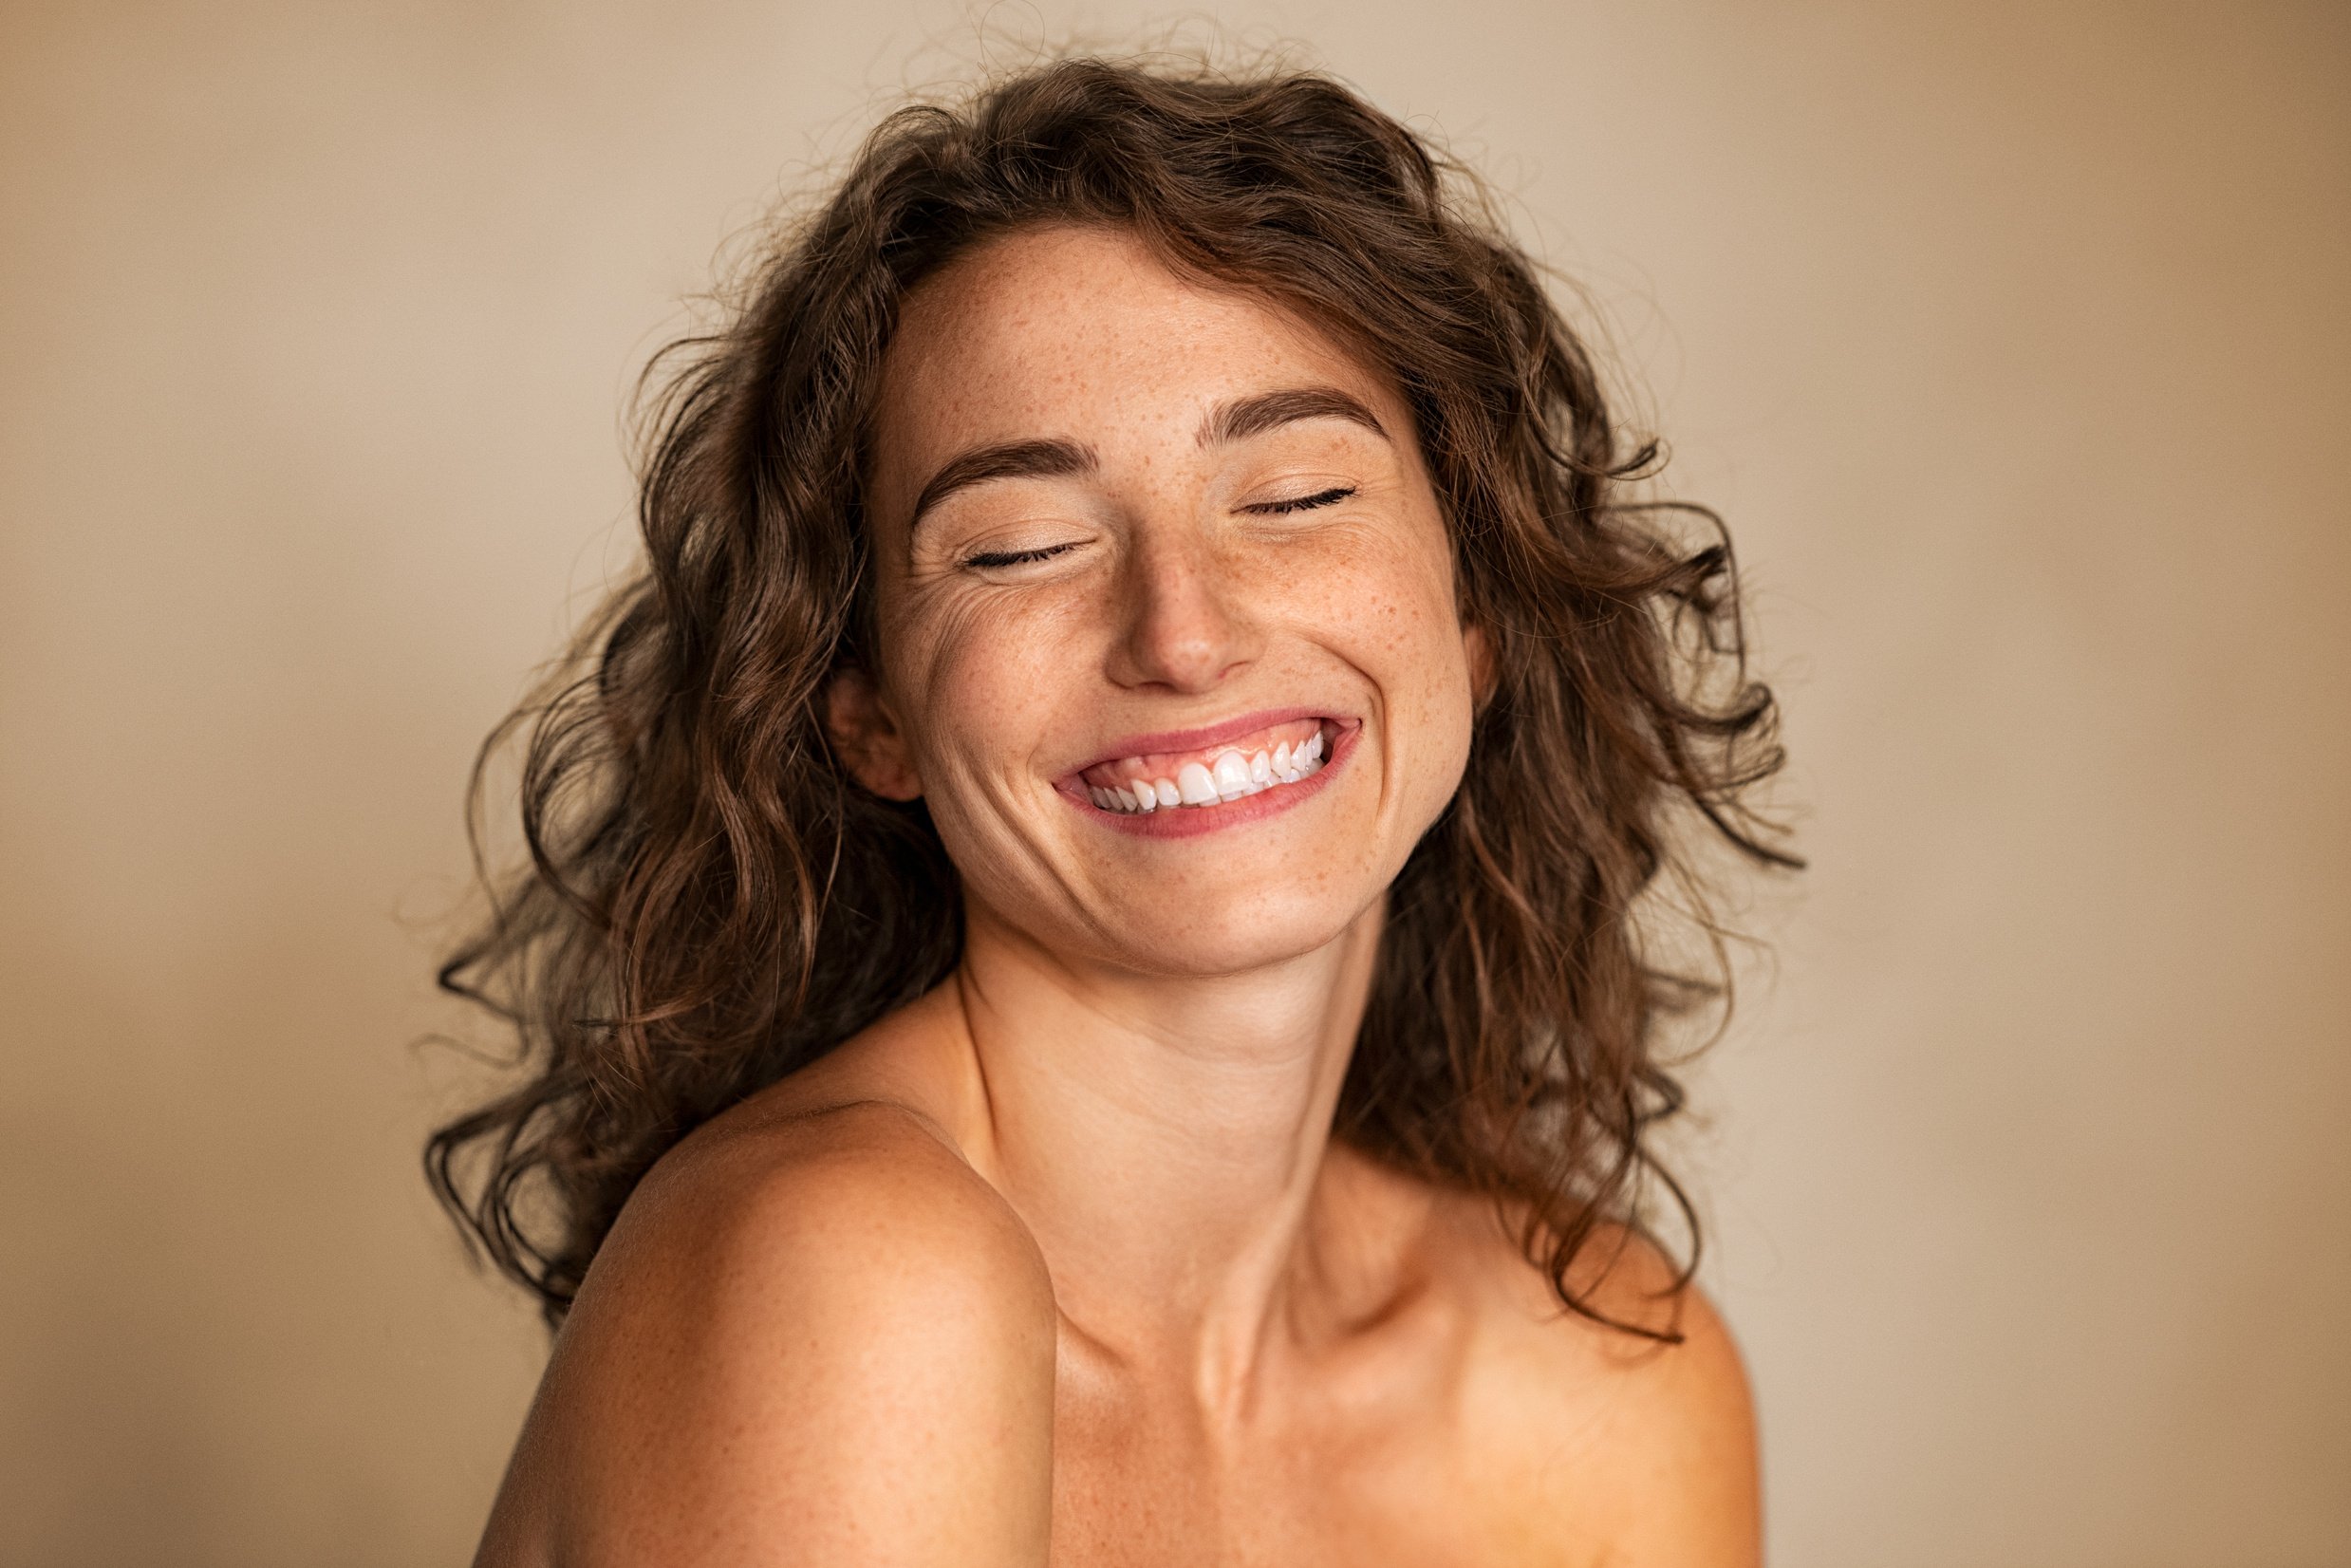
point(1234, 934)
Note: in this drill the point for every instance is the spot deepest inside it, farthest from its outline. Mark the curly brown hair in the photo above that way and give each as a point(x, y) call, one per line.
point(711, 902)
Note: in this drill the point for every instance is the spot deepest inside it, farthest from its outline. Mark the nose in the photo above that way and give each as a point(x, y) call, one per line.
point(1185, 620)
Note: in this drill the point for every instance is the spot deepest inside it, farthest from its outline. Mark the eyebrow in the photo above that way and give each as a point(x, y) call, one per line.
point(1247, 417)
point(1052, 459)
point(1033, 460)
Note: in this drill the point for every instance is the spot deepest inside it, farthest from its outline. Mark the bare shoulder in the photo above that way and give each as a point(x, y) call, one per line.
point(864, 1197)
point(1620, 1449)
point(814, 1334)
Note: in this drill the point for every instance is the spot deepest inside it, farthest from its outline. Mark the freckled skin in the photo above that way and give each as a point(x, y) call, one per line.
point(1166, 609)
point(1060, 1264)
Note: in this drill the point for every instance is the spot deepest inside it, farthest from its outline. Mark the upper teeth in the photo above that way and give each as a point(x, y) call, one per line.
point(1230, 775)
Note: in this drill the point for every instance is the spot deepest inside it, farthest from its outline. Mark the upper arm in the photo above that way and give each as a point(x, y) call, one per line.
point(841, 1354)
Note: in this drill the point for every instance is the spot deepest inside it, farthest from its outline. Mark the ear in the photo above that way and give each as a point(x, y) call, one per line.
point(1480, 648)
point(867, 736)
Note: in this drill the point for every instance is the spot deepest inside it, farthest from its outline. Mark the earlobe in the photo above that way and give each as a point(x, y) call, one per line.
point(866, 738)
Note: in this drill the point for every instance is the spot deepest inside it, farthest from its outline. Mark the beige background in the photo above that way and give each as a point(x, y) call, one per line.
point(2014, 342)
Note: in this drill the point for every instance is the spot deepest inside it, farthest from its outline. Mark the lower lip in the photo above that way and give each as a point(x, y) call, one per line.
point(1192, 821)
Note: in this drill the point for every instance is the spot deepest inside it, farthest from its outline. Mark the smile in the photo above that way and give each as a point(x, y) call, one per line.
point(1208, 776)
point(1179, 783)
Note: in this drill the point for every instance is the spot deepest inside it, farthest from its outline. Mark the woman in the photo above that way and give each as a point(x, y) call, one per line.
point(1080, 964)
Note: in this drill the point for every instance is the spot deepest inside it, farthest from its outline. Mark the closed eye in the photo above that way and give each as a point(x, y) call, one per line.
point(1015, 557)
point(1302, 503)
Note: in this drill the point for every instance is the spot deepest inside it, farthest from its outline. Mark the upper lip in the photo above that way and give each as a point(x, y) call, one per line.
point(1199, 739)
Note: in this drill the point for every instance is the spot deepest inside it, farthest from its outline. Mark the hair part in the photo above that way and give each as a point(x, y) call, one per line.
point(710, 903)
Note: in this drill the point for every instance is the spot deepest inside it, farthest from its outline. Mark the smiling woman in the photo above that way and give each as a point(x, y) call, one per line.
point(1081, 969)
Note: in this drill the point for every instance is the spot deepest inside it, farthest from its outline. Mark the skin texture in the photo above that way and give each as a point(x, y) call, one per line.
point(1060, 1263)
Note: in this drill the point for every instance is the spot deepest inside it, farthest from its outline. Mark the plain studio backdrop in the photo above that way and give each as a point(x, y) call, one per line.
point(2013, 343)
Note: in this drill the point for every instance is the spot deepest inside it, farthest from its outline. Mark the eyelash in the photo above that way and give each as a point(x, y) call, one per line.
point(1015, 557)
point(1304, 503)
point(991, 559)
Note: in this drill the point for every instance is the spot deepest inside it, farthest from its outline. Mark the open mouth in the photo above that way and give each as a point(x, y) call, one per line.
point(1202, 778)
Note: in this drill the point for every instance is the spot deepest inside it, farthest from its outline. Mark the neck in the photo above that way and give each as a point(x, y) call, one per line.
point(1162, 1136)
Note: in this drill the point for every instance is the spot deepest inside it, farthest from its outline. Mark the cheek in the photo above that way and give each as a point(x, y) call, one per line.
point(977, 681)
point(1395, 604)
point(1433, 698)
point(1408, 636)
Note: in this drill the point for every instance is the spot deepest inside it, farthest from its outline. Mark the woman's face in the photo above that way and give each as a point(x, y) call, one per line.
point(1136, 537)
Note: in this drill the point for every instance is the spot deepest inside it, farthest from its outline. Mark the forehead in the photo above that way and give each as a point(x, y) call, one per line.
point(1083, 332)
